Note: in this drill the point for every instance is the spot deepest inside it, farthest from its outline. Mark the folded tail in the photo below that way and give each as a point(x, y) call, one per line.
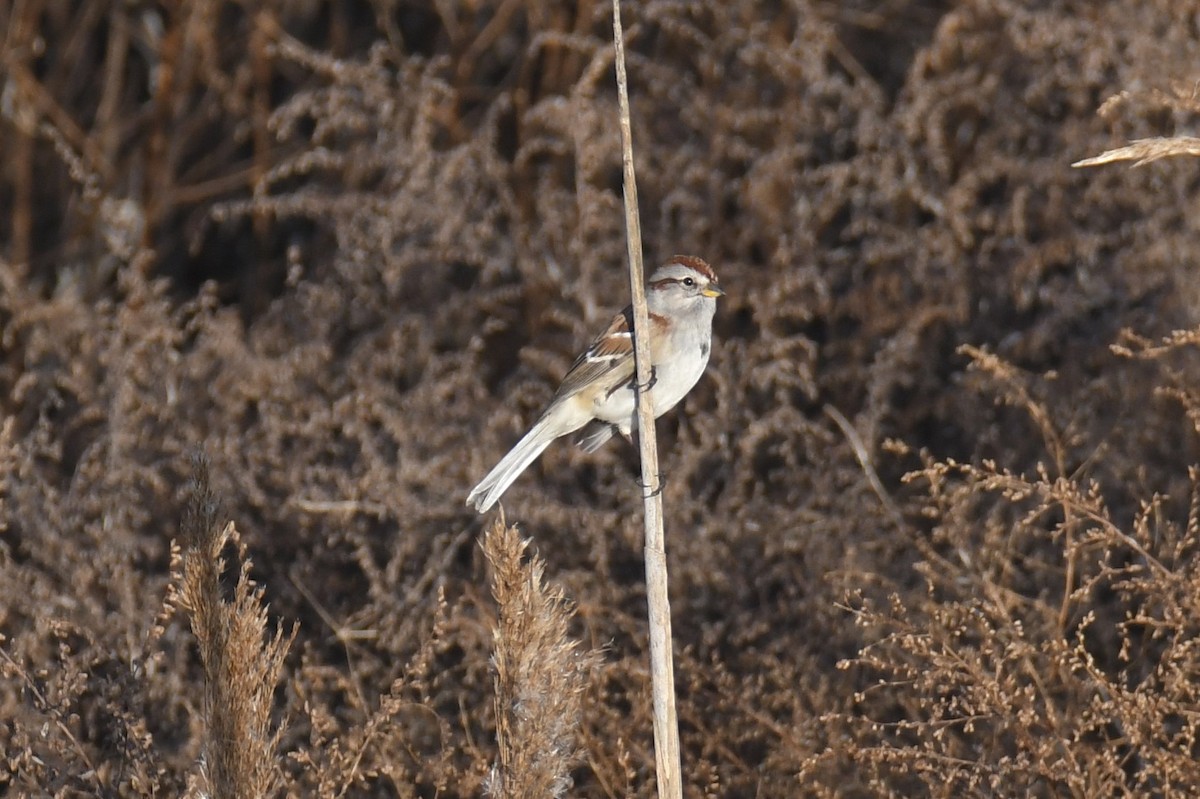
point(526, 451)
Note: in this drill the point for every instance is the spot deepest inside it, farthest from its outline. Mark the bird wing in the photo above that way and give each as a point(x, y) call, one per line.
point(607, 363)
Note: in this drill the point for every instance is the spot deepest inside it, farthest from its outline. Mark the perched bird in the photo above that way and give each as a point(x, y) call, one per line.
point(597, 397)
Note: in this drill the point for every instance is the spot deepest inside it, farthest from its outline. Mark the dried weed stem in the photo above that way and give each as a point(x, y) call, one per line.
point(662, 672)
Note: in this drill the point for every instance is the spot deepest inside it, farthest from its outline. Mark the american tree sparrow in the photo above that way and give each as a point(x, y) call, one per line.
point(597, 398)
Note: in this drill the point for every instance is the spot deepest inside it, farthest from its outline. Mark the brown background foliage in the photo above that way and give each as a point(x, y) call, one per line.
point(346, 251)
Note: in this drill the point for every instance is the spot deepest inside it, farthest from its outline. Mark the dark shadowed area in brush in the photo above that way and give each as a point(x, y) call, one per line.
point(348, 251)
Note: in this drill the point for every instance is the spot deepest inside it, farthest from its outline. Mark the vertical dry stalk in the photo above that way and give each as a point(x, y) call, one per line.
point(662, 673)
point(540, 675)
point(241, 667)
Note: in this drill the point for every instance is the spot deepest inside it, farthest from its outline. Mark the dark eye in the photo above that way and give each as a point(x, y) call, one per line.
point(687, 281)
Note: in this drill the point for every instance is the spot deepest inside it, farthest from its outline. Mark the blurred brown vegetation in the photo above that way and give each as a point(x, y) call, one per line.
point(346, 251)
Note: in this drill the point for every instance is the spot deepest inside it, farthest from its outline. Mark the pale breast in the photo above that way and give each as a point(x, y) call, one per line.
point(673, 379)
point(677, 377)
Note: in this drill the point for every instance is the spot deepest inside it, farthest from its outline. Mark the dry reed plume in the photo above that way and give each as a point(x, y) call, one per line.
point(242, 662)
point(540, 674)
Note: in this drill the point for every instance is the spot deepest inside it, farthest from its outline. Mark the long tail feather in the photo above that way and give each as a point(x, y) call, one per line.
point(526, 451)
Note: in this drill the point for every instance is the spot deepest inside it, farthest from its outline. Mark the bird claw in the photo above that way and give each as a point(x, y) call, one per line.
point(662, 483)
point(653, 380)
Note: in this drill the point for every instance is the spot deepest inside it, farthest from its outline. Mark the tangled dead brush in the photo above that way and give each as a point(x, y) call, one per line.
point(1053, 649)
point(347, 250)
